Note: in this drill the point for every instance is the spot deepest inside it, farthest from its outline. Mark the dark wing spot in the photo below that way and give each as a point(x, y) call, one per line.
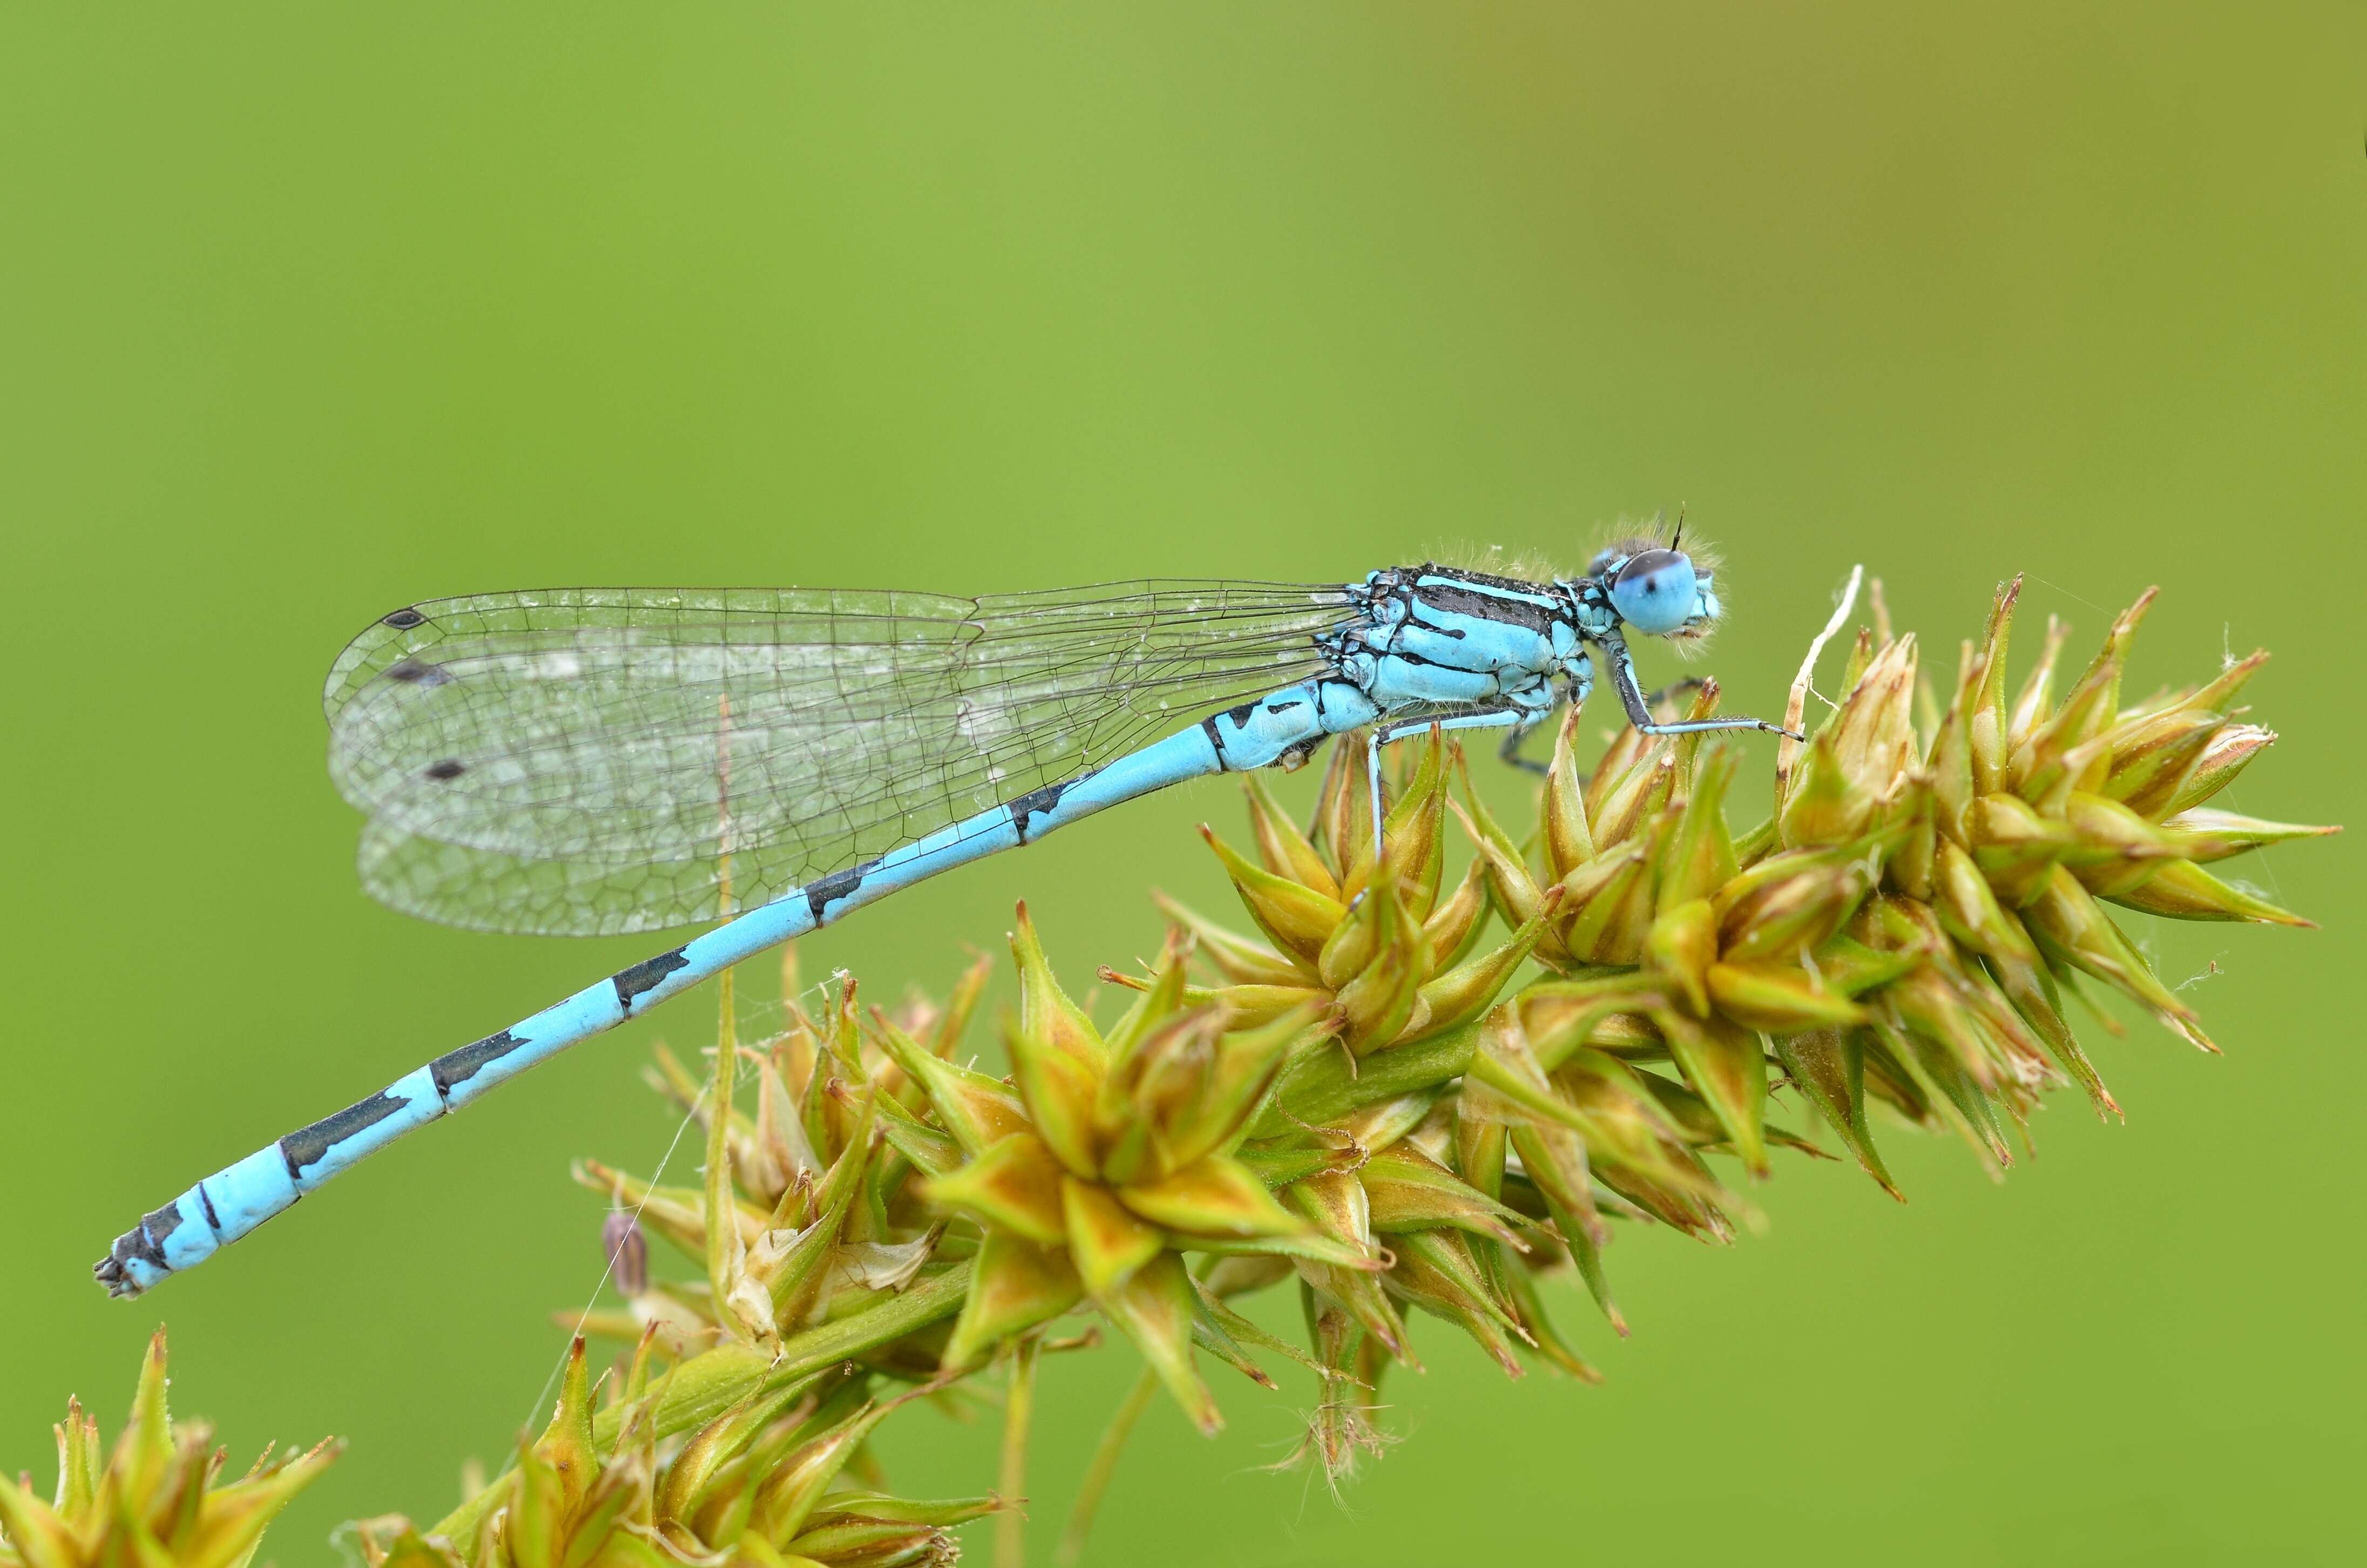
point(403, 619)
point(446, 770)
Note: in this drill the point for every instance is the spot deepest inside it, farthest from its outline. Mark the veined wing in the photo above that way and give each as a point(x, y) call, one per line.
point(587, 761)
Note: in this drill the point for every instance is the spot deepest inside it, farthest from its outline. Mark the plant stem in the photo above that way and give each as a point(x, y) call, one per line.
point(1104, 1466)
point(723, 1242)
point(1018, 1411)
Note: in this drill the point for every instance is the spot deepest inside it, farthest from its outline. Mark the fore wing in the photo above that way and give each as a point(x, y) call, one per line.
point(588, 761)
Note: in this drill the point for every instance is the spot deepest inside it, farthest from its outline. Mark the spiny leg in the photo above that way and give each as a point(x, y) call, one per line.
point(1517, 719)
point(1510, 752)
point(1701, 726)
point(1639, 712)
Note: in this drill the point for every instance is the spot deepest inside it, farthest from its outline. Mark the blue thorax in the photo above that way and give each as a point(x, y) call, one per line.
point(1439, 636)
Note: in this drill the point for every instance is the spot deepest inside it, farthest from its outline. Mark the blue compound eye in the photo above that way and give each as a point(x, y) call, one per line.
point(1656, 592)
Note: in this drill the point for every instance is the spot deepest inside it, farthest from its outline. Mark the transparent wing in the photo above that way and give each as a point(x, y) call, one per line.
point(588, 760)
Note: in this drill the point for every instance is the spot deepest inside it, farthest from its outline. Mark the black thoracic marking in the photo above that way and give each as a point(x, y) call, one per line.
point(645, 976)
point(446, 770)
point(1510, 584)
point(1404, 657)
point(207, 1199)
point(1485, 606)
point(1036, 803)
point(1239, 713)
point(307, 1145)
point(1286, 705)
point(404, 620)
point(456, 1067)
point(416, 672)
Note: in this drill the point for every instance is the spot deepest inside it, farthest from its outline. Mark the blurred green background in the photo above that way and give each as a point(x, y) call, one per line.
point(306, 313)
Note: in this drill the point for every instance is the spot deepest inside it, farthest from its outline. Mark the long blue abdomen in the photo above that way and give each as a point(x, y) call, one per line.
point(234, 1200)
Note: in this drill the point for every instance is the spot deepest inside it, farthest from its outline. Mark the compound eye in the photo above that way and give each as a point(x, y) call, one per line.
point(1656, 592)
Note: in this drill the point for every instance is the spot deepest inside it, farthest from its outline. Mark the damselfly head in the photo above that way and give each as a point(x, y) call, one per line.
point(1661, 593)
point(1658, 580)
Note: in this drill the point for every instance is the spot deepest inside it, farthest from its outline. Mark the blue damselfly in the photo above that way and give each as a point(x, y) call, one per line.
point(595, 761)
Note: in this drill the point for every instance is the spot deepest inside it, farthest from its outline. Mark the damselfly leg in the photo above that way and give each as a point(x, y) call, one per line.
point(1510, 752)
point(1639, 707)
point(1519, 721)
